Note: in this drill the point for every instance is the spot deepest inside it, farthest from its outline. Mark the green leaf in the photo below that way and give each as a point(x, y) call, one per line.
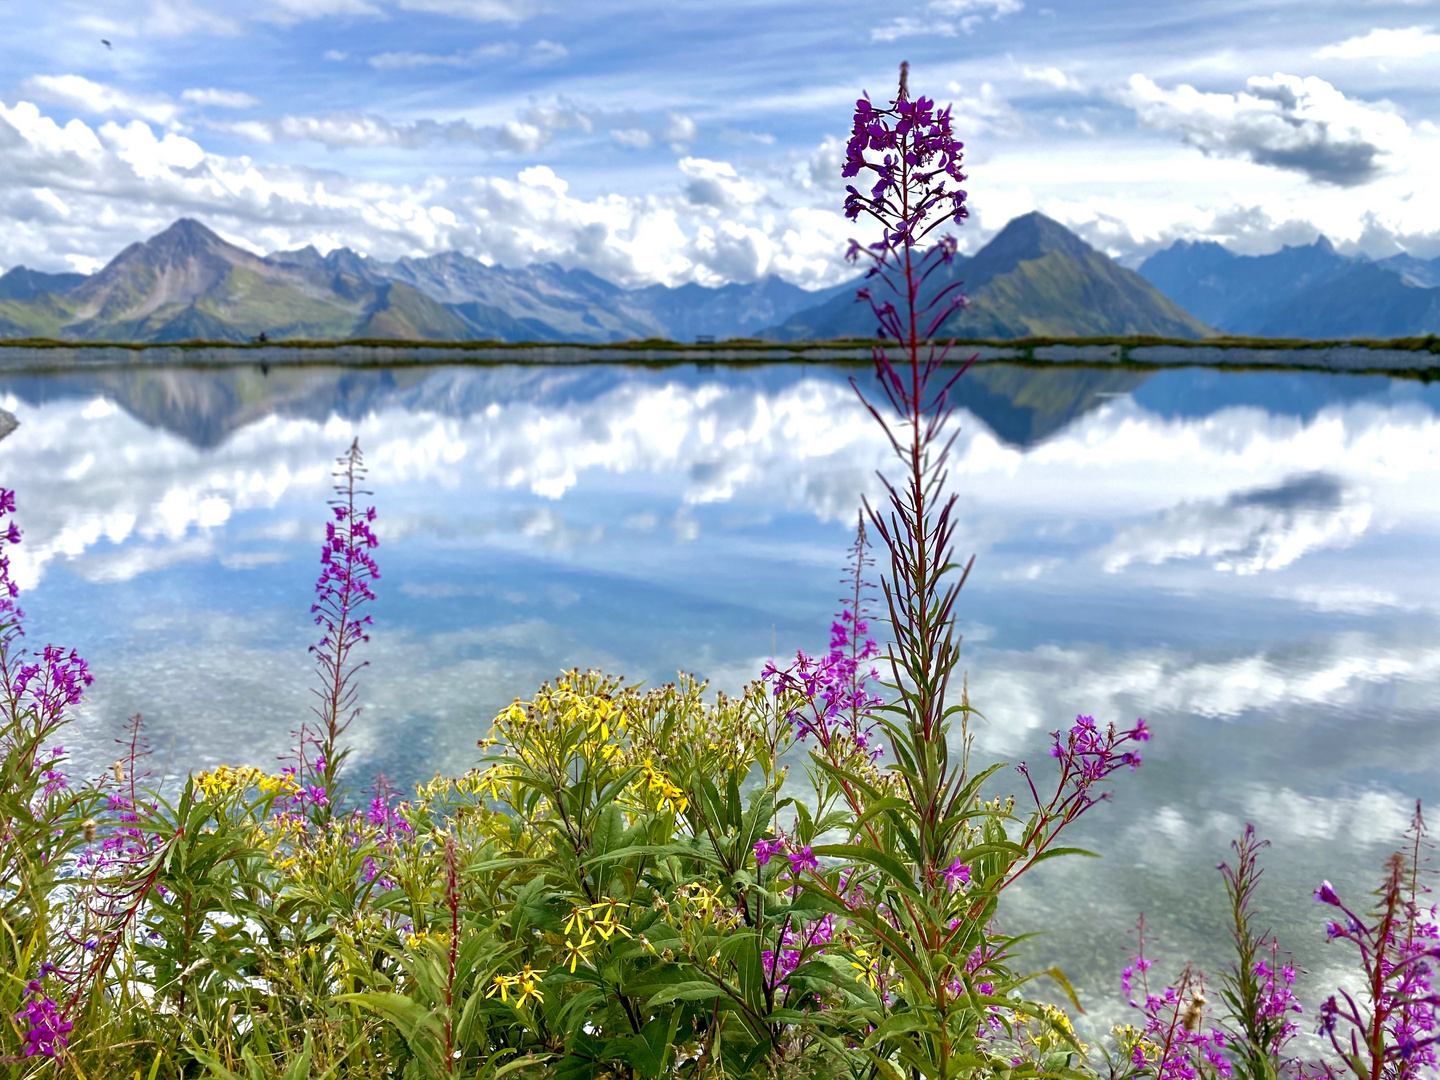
point(1059, 976)
point(1055, 853)
point(899, 874)
point(687, 991)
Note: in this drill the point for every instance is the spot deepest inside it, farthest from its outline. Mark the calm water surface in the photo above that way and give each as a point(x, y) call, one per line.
point(1249, 561)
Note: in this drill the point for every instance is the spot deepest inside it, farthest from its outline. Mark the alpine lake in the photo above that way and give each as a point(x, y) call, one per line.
point(1250, 560)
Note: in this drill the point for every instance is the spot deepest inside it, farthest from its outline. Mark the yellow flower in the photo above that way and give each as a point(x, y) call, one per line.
point(528, 988)
point(503, 984)
point(575, 921)
point(609, 922)
point(866, 968)
point(224, 779)
point(578, 952)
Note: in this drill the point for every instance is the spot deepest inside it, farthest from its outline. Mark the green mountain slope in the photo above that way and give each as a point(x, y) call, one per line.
point(42, 316)
point(403, 313)
point(1034, 279)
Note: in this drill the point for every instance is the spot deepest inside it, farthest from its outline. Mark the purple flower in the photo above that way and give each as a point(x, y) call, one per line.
point(802, 860)
point(1326, 894)
point(765, 850)
point(957, 875)
point(45, 1028)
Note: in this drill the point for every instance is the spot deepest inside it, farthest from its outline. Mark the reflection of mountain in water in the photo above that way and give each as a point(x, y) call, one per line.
point(1021, 405)
point(1024, 405)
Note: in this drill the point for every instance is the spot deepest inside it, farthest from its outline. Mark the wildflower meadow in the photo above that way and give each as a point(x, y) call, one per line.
point(807, 879)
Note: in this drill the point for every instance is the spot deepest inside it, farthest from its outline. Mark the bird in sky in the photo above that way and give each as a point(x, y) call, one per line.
point(106, 43)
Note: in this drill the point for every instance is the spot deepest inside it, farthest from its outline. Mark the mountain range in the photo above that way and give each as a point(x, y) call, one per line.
point(188, 283)
point(1035, 278)
point(1309, 291)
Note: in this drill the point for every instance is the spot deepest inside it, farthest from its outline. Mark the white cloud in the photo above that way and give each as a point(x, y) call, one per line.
point(160, 500)
point(115, 184)
point(510, 11)
point(221, 99)
point(633, 138)
point(546, 52)
point(987, 111)
point(1407, 44)
point(95, 99)
point(536, 128)
point(177, 19)
point(1303, 125)
point(741, 138)
point(1053, 77)
point(680, 130)
point(1346, 671)
point(290, 11)
point(945, 18)
point(391, 60)
point(717, 184)
point(521, 137)
point(342, 130)
point(1373, 817)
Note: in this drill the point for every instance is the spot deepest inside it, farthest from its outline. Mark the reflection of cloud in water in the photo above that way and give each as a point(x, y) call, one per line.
point(1372, 817)
point(806, 445)
point(1020, 692)
point(1241, 487)
point(1249, 531)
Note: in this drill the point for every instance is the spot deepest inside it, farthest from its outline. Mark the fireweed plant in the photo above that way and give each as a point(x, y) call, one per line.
point(630, 884)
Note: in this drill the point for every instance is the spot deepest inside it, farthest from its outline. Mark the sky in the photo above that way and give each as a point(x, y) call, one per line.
point(682, 141)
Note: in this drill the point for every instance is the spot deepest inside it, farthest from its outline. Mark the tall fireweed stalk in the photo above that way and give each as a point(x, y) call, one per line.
point(1389, 1029)
point(918, 881)
point(344, 587)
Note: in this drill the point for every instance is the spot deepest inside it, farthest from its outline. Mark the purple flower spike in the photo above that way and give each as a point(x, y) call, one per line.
point(347, 571)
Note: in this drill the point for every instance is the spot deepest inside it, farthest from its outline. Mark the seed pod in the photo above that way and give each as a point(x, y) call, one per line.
point(1194, 1012)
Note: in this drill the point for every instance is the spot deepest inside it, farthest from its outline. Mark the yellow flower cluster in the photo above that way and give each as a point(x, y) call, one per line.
point(1129, 1038)
point(1055, 1031)
point(524, 984)
point(658, 784)
point(603, 918)
point(286, 831)
point(674, 725)
point(225, 778)
point(697, 904)
point(580, 716)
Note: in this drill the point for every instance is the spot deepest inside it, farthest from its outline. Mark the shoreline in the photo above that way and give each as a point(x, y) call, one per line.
point(1410, 356)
